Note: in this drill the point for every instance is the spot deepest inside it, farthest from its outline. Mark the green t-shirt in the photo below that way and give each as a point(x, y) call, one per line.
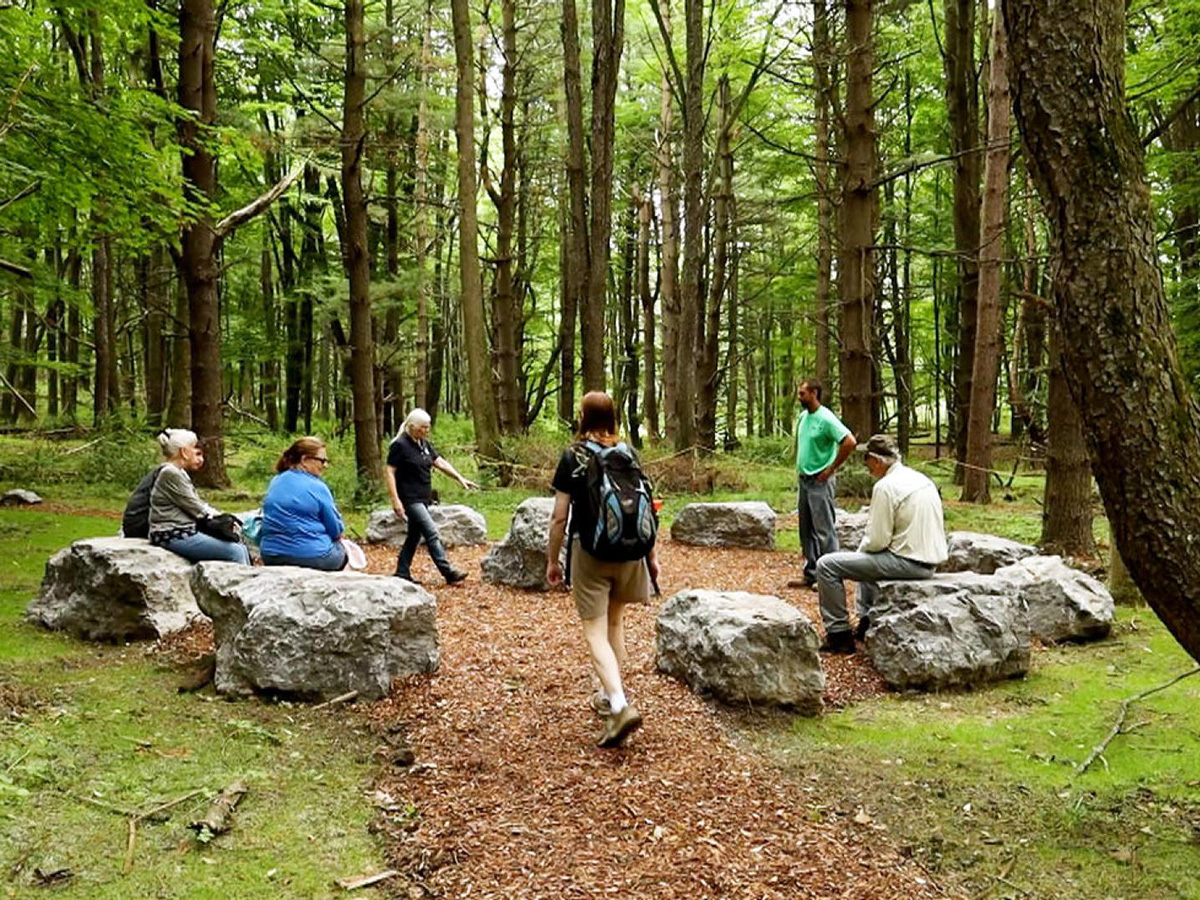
point(818, 435)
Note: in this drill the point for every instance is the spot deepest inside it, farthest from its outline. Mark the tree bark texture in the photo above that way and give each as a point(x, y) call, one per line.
point(693, 234)
point(1067, 504)
point(198, 96)
point(577, 253)
point(483, 408)
point(356, 253)
point(822, 54)
point(859, 215)
point(989, 315)
point(1120, 356)
point(649, 353)
point(668, 262)
point(962, 102)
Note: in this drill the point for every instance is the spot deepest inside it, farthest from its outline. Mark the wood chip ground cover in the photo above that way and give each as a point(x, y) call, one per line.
point(510, 797)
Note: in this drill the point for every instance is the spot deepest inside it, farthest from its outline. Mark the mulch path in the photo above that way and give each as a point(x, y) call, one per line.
point(509, 796)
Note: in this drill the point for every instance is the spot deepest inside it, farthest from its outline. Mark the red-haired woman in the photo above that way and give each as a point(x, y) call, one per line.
point(601, 589)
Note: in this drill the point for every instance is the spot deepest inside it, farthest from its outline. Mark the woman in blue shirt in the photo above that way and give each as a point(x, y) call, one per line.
point(301, 523)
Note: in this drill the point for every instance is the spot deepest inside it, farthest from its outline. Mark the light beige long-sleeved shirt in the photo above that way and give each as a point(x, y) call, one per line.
point(906, 517)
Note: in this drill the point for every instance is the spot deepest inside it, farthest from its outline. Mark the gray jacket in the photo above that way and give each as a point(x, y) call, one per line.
point(174, 502)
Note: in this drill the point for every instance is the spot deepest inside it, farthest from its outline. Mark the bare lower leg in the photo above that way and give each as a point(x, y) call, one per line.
point(616, 632)
point(604, 659)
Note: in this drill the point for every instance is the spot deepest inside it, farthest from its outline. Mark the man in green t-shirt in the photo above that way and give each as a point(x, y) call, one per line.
point(822, 444)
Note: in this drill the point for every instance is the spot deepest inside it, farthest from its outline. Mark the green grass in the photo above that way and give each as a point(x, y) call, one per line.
point(106, 723)
point(981, 787)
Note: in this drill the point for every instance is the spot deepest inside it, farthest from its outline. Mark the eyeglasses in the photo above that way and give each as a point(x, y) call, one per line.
point(323, 460)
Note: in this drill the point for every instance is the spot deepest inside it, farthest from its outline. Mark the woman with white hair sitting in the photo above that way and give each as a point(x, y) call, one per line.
point(175, 506)
point(410, 461)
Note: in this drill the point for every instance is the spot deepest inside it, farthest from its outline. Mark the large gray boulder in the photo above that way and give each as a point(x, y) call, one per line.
point(949, 631)
point(971, 551)
point(851, 528)
point(742, 648)
point(519, 560)
point(310, 634)
point(115, 589)
point(1064, 604)
point(459, 526)
point(750, 524)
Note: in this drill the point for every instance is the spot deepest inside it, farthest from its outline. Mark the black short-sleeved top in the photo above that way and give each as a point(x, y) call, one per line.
point(413, 461)
point(571, 477)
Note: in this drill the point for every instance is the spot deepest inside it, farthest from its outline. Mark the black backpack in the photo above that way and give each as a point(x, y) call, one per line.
point(616, 521)
point(135, 522)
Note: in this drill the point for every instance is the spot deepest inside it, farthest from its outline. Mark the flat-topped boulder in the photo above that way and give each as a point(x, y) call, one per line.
point(459, 526)
point(851, 528)
point(309, 634)
point(972, 551)
point(742, 648)
point(115, 589)
point(19, 497)
point(748, 524)
point(1064, 604)
point(519, 560)
point(948, 631)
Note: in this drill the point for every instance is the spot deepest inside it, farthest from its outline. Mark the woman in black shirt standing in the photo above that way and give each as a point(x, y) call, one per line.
point(410, 461)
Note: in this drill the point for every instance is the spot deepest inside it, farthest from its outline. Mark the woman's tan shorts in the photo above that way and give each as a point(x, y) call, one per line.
point(595, 583)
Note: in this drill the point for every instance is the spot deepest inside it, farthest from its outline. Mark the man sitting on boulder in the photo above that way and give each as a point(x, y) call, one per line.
point(905, 539)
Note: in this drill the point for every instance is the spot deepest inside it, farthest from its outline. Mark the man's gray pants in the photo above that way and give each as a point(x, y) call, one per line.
point(865, 568)
point(817, 514)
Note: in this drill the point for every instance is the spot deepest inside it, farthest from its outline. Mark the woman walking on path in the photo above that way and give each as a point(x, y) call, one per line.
point(175, 506)
point(301, 523)
point(410, 461)
point(601, 589)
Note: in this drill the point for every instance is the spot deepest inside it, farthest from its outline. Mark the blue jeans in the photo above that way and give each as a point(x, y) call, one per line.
point(866, 569)
point(420, 526)
point(817, 514)
point(332, 560)
point(200, 547)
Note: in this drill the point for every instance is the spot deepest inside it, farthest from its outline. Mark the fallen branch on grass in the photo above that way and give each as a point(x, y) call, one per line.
point(341, 698)
point(362, 881)
point(216, 820)
point(1124, 711)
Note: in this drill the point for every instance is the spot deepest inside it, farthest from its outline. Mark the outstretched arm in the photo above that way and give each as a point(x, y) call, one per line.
point(443, 465)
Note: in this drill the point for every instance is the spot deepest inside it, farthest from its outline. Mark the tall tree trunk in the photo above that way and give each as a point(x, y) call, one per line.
point(505, 309)
point(357, 256)
point(649, 354)
point(693, 234)
point(859, 213)
point(1067, 502)
point(669, 247)
point(421, 213)
point(822, 55)
point(179, 405)
point(902, 313)
point(71, 345)
point(989, 316)
point(608, 41)
point(158, 282)
point(962, 102)
point(101, 338)
point(198, 96)
point(577, 255)
point(1141, 421)
point(629, 317)
point(270, 378)
point(483, 410)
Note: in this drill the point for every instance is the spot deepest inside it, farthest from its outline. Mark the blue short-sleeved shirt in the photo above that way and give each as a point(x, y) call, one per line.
point(299, 516)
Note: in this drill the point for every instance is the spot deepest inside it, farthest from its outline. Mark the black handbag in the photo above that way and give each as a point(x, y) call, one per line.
point(225, 527)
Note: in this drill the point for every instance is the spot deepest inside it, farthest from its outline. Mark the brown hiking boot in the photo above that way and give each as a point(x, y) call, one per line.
point(619, 726)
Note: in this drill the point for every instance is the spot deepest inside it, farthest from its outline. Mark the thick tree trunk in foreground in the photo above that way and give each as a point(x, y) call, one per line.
point(357, 255)
point(483, 408)
point(1121, 361)
point(822, 59)
point(989, 315)
point(859, 213)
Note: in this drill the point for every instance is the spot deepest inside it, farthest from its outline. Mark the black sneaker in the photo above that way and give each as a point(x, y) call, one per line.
point(455, 577)
point(407, 578)
point(864, 625)
point(838, 642)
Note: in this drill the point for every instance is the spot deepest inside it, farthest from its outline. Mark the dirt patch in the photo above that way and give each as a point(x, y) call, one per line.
point(509, 796)
point(17, 700)
point(184, 648)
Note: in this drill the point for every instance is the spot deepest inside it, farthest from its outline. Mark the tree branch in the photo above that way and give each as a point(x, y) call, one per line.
point(240, 217)
point(1158, 130)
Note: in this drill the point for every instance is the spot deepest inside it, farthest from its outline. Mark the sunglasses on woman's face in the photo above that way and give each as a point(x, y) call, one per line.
point(323, 460)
